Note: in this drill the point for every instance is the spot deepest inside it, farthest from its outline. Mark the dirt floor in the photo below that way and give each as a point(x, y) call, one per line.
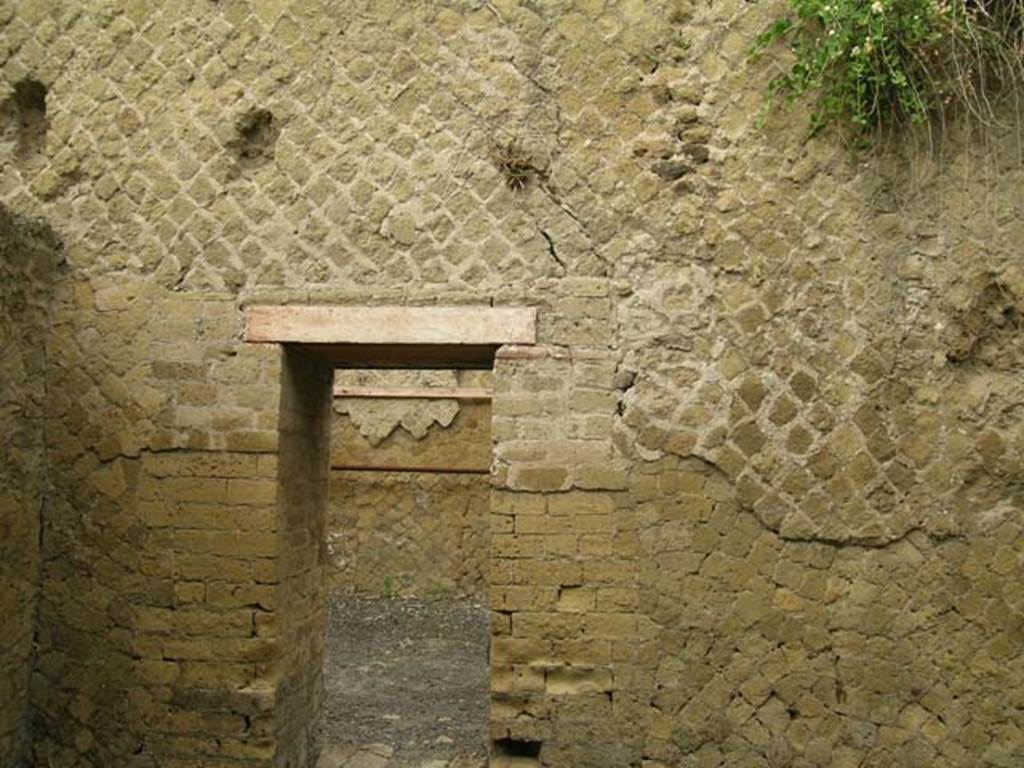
point(406, 684)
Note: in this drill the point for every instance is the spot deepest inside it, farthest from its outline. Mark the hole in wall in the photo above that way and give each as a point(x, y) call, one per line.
point(256, 134)
point(984, 330)
point(24, 119)
point(516, 748)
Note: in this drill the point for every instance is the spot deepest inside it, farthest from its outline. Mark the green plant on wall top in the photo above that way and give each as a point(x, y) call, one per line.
point(879, 64)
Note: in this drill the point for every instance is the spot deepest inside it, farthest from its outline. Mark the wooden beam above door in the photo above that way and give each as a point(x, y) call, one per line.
point(405, 326)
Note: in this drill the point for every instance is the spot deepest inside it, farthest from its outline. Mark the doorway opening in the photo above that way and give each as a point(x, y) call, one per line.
point(367, 345)
point(408, 626)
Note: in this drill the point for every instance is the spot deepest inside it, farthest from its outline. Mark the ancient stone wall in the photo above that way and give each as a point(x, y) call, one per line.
point(29, 259)
point(303, 469)
point(156, 633)
point(416, 534)
point(408, 534)
point(756, 497)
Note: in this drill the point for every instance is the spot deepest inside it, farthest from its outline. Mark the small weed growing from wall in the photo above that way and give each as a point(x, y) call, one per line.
point(882, 64)
point(517, 165)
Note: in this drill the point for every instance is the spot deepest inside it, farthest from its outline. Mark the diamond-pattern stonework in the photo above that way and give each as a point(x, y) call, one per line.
point(755, 496)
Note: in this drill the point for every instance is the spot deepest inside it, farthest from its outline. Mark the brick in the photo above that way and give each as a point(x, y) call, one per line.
point(572, 681)
point(513, 598)
point(538, 478)
point(593, 401)
point(511, 650)
point(580, 504)
point(517, 545)
point(252, 491)
point(612, 626)
point(517, 678)
point(254, 441)
point(547, 625)
point(609, 571)
point(156, 672)
point(576, 599)
point(543, 573)
point(599, 477)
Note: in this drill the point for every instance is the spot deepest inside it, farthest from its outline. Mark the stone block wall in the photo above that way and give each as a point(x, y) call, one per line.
point(834, 648)
point(300, 548)
point(757, 495)
point(416, 534)
point(564, 562)
point(408, 534)
point(156, 636)
point(29, 260)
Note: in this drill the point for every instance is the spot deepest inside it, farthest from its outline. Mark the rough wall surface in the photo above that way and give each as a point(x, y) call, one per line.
point(303, 469)
point(757, 496)
point(408, 534)
point(157, 635)
point(29, 258)
point(414, 534)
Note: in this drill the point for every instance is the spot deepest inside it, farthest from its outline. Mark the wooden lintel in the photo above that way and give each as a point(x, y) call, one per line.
point(449, 326)
point(412, 356)
point(415, 393)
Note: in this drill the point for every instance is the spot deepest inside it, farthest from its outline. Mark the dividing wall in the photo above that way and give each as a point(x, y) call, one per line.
point(29, 257)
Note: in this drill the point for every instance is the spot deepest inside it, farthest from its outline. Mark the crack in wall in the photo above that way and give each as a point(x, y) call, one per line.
point(551, 249)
